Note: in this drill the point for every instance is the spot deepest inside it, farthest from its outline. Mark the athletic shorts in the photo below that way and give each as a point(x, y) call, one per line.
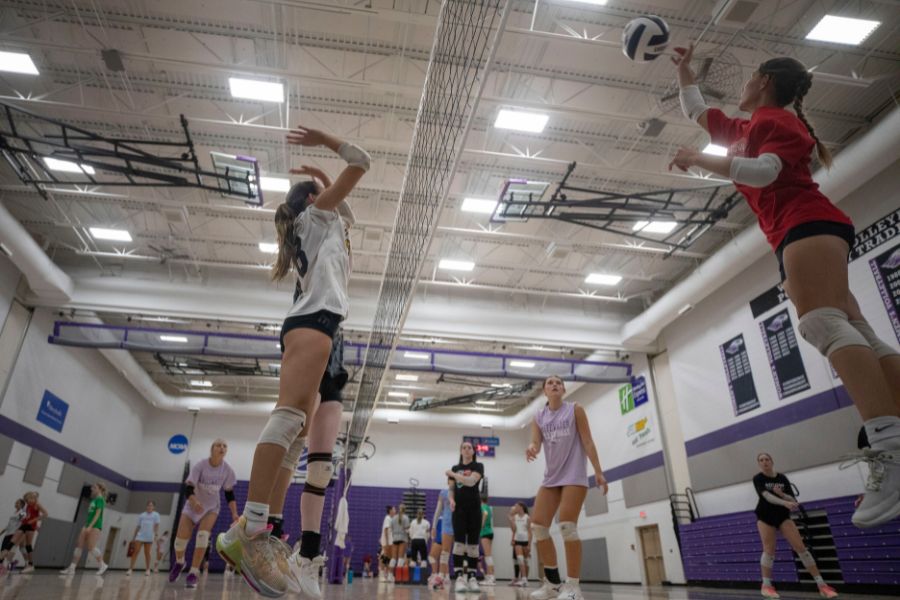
point(488, 536)
point(439, 531)
point(7, 542)
point(523, 544)
point(399, 542)
point(419, 549)
point(196, 517)
point(813, 228)
point(773, 518)
point(325, 321)
point(26, 528)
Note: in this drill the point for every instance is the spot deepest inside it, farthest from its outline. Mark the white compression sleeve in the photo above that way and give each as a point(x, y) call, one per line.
point(692, 103)
point(773, 499)
point(355, 156)
point(756, 172)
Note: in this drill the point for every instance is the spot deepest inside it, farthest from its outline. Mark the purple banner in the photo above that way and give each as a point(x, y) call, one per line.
point(886, 270)
point(740, 377)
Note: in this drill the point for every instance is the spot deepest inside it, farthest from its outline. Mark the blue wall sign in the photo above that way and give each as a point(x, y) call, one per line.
point(178, 443)
point(52, 411)
point(639, 390)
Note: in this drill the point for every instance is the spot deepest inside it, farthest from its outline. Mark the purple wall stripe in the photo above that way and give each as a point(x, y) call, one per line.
point(35, 440)
point(634, 467)
point(801, 410)
point(155, 486)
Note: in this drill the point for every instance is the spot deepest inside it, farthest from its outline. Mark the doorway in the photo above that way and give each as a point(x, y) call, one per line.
point(651, 549)
point(110, 544)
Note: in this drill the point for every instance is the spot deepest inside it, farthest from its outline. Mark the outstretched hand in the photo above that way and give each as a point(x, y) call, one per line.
point(305, 136)
point(686, 75)
point(685, 158)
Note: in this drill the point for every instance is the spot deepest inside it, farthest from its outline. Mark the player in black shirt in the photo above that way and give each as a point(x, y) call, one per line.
point(466, 495)
point(773, 514)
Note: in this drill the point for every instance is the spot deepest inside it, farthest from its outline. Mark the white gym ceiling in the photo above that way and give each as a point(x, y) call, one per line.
point(357, 70)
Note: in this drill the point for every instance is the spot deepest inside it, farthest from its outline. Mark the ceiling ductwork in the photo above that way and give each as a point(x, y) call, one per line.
point(46, 280)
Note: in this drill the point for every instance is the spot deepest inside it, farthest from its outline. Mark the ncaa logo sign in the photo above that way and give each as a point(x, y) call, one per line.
point(178, 443)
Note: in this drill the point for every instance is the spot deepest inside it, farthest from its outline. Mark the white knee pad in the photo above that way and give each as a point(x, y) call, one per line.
point(829, 330)
point(180, 545)
point(318, 473)
point(445, 558)
point(283, 427)
point(540, 532)
point(489, 561)
point(521, 560)
point(202, 539)
point(459, 548)
point(882, 350)
point(472, 551)
point(292, 456)
point(767, 560)
point(807, 559)
point(569, 531)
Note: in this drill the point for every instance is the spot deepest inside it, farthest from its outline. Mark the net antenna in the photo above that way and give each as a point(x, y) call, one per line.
point(675, 218)
point(465, 42)
point(47, 152)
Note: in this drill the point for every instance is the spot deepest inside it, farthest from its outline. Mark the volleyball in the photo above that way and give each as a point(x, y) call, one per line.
point(645, 38)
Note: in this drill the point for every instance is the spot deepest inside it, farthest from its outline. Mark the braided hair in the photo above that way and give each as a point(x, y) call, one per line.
point(287, 211)
point(792, 82)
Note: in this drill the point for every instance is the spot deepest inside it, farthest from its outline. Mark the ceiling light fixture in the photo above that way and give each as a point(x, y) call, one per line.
point(715, 150)
point(67, 166)
point(417, 355)
point(842, 30)
point(275, 184)
point(403, 377)
point(654, 226)
point(521, 364)
point(518, 120)
point(456, 265)
point(115, 235)
point(602, 279)
point(479, 205)
point(201, 383)
point(253, 89)
point(268, 248)
point(181, 339)
point(17, 62)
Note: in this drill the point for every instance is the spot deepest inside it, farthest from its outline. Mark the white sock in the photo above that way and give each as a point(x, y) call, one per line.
point(195, 570)
point(767, 581)
point(257, 515)
point(76, 556)
point(573, 581)
point(393, 563)
point(883, 432)
point(819, 580)
point(401, 562)
point(98, 555)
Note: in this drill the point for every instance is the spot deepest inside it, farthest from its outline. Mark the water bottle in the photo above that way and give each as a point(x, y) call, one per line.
point(349, 575)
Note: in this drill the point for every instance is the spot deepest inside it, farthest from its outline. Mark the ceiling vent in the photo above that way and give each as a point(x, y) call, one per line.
point(734, 13)
point(373, 234)
point(651, 127)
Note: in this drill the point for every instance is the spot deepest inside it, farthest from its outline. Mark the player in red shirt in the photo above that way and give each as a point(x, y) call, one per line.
point(769, 161)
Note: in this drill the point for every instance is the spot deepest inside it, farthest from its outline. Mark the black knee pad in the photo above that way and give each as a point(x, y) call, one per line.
point(29, 549)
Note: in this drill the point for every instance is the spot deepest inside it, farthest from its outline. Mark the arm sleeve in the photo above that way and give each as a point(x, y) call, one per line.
point(755, 172)
point(692, 104)
point(723, 131)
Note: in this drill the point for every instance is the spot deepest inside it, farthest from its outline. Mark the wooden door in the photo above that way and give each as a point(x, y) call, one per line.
point(110, 544)
point(651, 549)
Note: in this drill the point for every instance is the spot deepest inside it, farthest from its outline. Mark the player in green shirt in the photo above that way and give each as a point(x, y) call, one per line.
point(90, 533)
point(487, 539)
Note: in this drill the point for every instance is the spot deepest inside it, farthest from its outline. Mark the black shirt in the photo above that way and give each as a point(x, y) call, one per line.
point(762, 483)
point(468, 494)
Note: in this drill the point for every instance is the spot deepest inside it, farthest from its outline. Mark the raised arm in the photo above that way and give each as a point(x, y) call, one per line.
point(587, 442)
point(692, 104)
point(357, 159)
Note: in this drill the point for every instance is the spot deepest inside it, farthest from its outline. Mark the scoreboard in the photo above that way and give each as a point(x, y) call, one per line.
point(484, 446)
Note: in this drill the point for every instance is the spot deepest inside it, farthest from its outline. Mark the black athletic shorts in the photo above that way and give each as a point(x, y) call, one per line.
point(400, 542)
point(773, 518)
point(489, 536)
point(813, 228)
point(26, 528)
point(335, 377)
point(7, 543)
point(325, 321)
point(523, 544)
point(419, 549)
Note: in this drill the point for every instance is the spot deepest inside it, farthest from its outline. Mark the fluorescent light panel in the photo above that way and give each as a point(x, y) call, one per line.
point(654, 226)
point(456, 265)
point(201, 383)
point(66, 166)
point(268, 248)
point(594, 2)
point(501, 385)
point(842, 30)
point(419, 355)
point(402, 377)
point(486, 402)
point(253, 89)
point(479, 205)
point(398, 394)
point(17, 62)
point(518, 120)
point(521, 364)
point(602, 279)
point(275, 184)
point(715, 150)
point(115, 235)
point(182, 339)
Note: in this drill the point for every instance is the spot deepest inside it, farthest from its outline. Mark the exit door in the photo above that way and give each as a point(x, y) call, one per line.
point(651, 549)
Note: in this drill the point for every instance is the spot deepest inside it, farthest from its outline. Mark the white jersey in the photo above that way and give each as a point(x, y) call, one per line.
point(386, 537)
point(419, 531)
point(521, 528)
point(323, 262)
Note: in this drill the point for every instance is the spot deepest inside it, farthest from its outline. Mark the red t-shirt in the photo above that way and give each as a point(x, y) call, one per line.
point(793, 198)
